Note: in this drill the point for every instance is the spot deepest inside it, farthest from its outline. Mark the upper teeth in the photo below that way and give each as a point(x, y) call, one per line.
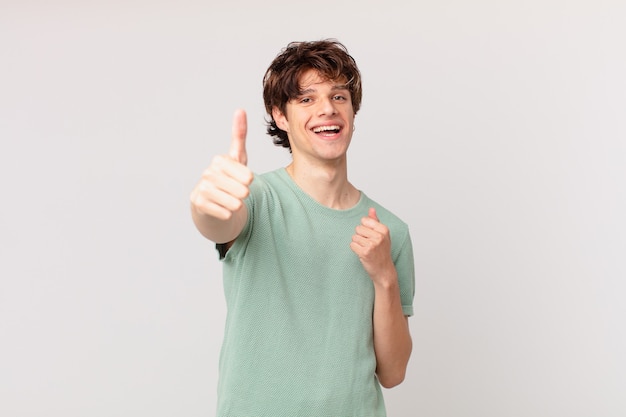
point(325, 128)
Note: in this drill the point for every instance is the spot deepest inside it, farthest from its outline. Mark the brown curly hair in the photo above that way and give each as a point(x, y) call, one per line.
point(328, 57)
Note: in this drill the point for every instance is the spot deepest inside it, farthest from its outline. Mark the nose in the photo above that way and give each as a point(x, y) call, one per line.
point(327, 107)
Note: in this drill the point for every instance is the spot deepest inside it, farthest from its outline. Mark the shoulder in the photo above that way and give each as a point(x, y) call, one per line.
point(268, 180)
point(263, 185)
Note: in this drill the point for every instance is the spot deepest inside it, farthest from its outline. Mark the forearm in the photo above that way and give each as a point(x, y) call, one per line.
point(392, 338)
point(218, 230)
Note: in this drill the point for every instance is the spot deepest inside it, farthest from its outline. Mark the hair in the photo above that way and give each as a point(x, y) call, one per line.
point(281, 82)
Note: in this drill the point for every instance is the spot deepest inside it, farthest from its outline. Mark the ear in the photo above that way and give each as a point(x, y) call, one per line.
point(280, 119)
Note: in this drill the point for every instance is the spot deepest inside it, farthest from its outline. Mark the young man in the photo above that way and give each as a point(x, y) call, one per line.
point(318, 278)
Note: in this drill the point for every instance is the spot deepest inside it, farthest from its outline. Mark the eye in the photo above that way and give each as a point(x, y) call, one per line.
point(339, 97)
point(305, 100)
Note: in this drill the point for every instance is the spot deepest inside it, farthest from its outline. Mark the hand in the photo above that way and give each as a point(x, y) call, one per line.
point(225, 183)
point(372, 244)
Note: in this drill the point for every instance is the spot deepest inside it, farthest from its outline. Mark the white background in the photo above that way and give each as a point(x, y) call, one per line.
point(496, 129)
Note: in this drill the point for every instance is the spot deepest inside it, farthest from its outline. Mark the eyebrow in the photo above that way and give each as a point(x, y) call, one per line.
point(335, 87)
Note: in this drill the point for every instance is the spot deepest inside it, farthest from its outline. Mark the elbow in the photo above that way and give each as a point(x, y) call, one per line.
point(390, 381)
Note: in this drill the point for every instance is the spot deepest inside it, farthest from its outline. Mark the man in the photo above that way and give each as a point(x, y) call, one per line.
point(318, 278)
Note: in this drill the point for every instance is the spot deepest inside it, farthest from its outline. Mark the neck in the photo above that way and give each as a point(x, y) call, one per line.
point(327, 184)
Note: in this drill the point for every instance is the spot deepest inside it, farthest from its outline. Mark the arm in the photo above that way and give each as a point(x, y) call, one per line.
point(392, 339)
point(217, 206)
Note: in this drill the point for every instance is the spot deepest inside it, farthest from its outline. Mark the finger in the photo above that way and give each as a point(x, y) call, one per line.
point(371, 226)
point(238, 140)
point(372, 214)
point(216, 210)
point(224, 165)
point(372, 221)
point(235, 184)
point(365, 232)
point(361, 241)
point(214, 201)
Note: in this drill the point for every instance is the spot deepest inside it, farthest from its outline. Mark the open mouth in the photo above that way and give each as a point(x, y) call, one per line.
point(327, 130)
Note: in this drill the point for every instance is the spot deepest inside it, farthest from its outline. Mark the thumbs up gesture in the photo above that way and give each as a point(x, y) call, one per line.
point(372, 244)
point(224, 184)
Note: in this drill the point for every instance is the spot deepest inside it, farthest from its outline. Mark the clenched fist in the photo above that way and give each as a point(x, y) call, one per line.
point(372, 244)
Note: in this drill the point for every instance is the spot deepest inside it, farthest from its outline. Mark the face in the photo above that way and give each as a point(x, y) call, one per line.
point(320, 121)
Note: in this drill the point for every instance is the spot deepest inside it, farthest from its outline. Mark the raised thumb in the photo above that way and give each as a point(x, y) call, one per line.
point(238, 140)
point(372, 214)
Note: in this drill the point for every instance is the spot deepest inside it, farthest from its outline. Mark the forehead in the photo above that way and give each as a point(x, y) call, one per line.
point(311, 77)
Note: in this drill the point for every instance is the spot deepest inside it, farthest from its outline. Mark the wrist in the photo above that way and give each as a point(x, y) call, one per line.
point(386, 281)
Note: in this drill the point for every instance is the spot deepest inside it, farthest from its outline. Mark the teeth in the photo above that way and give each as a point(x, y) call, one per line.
point(325, 128)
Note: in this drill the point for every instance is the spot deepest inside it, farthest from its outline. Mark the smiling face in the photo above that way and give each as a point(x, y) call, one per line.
point(319, 121)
